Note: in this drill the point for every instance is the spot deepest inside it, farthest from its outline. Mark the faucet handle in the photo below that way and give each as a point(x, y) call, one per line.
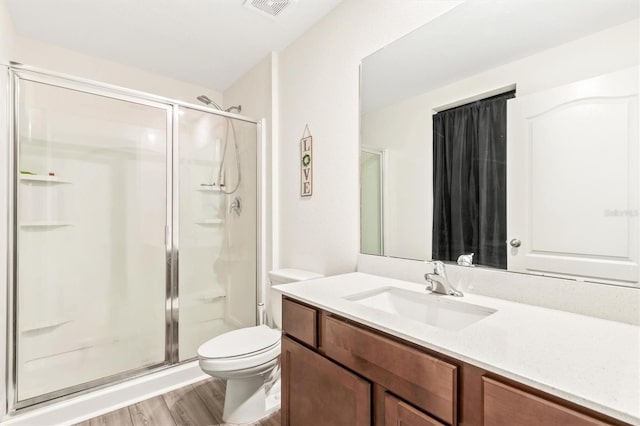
point(431, 285)
point(438, 267)
point(466, 259)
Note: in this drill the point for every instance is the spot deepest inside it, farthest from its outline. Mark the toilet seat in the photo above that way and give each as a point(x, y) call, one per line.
point(240, 349)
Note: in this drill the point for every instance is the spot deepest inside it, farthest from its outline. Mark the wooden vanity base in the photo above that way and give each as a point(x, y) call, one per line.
point(336, 372)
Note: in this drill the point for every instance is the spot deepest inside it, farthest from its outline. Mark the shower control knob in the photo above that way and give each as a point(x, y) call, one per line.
point(515, 243)
point(236, 206)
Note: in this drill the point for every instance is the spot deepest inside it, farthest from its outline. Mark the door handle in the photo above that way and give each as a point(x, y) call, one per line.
point(515, 243)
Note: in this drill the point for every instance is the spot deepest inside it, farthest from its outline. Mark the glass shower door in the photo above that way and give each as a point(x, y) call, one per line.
point(217, 227)
point(91, 279)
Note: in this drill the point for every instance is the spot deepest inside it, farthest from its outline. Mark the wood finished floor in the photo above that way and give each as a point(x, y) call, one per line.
point(199, 404)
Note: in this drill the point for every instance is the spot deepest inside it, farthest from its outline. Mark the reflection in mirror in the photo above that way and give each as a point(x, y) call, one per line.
point(371, 200)
point(502, 140)
point(469, 181)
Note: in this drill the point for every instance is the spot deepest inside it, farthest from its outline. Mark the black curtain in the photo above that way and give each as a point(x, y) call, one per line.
point(470, 182)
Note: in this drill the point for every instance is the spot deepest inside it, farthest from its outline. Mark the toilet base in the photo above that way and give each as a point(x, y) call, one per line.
point(247, 400)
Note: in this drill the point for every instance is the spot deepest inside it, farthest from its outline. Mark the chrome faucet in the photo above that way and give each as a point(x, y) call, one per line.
point(438, 282)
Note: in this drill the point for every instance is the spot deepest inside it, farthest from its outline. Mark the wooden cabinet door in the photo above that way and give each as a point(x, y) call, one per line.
point(399, 413)
point(505, 405)
point(421, 379)
point(318, 392)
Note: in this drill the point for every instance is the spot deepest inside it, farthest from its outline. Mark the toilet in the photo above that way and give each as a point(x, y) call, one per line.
point(248, 359)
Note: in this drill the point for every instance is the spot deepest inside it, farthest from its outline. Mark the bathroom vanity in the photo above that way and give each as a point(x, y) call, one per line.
point(355, 352)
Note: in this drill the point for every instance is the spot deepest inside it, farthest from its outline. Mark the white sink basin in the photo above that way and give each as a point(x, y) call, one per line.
point(426, 308)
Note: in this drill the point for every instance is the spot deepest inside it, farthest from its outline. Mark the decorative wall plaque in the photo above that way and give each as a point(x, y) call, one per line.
point(306, 164)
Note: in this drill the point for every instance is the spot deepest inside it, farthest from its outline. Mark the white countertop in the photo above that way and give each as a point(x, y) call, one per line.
point(591, 362)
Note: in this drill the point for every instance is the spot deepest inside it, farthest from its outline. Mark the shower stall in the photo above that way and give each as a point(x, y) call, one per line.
point(133, 233)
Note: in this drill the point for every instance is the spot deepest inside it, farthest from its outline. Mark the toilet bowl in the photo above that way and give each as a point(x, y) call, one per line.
point(248, 359)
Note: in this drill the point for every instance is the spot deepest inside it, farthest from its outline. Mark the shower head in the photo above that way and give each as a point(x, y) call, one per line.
point(204, 99)
point(207, 101)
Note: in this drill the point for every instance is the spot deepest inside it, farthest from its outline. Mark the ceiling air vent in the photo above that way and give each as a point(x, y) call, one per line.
point(271, 8)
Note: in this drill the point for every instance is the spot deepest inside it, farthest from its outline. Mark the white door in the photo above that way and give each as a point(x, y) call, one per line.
point(573, 181)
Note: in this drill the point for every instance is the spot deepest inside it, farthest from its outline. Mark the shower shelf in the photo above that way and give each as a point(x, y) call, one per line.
point(203, 297)
point(208, 188)
point(48, 325)
point(46, 223)
point(210, 222)
point(210, 296)
point(43, 179)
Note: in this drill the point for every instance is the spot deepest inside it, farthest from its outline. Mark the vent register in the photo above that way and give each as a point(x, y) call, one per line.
point(271, 8)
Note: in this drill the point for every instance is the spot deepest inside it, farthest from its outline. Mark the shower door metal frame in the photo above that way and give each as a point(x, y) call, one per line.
point(17, 73)
point(16, 77)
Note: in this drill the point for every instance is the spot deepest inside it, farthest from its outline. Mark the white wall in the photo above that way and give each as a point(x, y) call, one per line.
point(405, 128)
point(7, 33)
point(318, 86)
point(254, 90)
point(36, 53)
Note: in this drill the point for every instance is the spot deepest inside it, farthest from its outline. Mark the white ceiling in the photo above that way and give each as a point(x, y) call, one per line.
point(479, 35)
point(206, 42)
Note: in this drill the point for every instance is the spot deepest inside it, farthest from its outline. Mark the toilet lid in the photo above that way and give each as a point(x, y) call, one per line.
point(240, 342)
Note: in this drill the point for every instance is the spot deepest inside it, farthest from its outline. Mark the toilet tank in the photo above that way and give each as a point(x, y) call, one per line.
point(284, 276)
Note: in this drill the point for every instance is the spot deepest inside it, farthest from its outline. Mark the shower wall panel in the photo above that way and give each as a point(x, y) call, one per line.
point(242, 232)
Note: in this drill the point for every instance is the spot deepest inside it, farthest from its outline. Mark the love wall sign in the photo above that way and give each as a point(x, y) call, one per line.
point(306, 165)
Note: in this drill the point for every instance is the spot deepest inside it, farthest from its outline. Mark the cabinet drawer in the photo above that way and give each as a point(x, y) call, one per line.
point(300, 322)
point(421, 379)
point(509, 406)
point(399, 413)
point(319, 392)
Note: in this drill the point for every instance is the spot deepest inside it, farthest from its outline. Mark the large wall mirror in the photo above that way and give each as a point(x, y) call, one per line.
point(507, 129)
